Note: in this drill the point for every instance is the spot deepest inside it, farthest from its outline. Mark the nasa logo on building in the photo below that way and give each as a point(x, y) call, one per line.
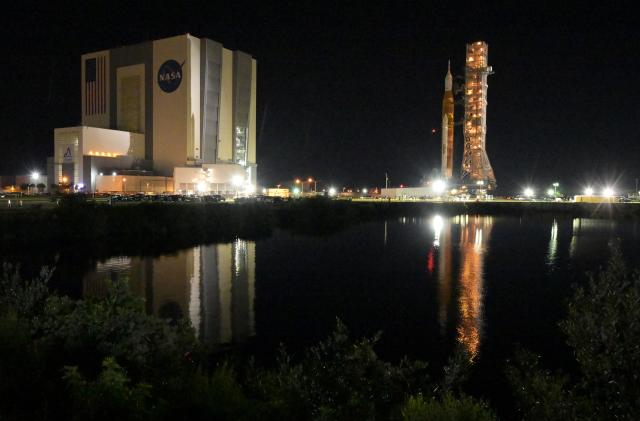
point(170, 76)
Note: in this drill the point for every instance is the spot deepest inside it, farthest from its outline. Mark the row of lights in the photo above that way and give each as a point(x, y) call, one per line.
point(108, 154)
point(607, 191)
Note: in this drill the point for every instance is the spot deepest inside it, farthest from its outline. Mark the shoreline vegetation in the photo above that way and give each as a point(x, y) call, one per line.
point(104, 358)
point(159, 227)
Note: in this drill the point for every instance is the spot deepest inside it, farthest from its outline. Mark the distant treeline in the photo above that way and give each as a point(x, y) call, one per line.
point(157, 227)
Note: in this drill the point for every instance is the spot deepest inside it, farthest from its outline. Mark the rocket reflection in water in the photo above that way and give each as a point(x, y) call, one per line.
point(475, 232)
point(213, 285)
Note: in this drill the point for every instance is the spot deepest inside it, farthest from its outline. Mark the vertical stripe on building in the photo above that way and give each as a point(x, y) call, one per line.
point(95, 86)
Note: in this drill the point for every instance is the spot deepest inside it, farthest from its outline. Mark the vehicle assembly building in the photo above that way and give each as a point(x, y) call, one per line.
point(176, 114)
point(476, 167)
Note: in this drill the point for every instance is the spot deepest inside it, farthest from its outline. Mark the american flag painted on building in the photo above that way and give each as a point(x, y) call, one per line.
point(95, 79)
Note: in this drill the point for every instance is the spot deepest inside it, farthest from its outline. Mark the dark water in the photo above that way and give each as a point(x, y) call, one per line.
point(429, 284)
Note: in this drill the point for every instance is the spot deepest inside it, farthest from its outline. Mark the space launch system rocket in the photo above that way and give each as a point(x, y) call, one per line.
point(447, 126)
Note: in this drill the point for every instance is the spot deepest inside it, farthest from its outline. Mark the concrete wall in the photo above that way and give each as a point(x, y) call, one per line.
point(133, 183)
point(171, 117)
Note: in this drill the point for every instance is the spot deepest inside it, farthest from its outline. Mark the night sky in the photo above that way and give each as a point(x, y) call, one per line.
point(349, 92)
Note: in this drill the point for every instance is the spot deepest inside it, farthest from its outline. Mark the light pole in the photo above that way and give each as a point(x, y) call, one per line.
point(311, 180)
point(555, 189)
point(298, 181)
point(35, 176)
point(124, 185)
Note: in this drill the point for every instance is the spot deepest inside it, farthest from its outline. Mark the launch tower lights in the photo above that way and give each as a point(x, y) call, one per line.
point(475, 161)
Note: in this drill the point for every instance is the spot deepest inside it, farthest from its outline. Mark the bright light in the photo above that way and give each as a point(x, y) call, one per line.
point(297, 181)
point(437, 224)
point(364, 191)
point(201, 186)
point(528, 192)
point(296, 190)
point(64, 179)
point(35, 175)
point(608, 192)
point(100, 174)
point(556, 184)
point(332, 191)
point(310, 180)
point(588, 191)
point(264, 191)
point(438, 186)
point(114, 173)
point(480, 182)
point(550, 192)
point(237, 180)
point(80, 186)
point(124, 180)
point(250, 188)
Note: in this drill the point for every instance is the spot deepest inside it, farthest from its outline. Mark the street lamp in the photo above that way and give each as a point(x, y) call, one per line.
point(588, 191)
point(555, 188)
point(528, 192)
point(298, 181)
point(311, 180)
point(124, 185)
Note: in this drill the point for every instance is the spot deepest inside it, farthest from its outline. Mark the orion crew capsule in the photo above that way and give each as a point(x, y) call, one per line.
point(447, 126)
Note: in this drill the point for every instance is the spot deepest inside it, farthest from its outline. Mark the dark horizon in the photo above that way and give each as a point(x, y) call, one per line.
point(346, 94)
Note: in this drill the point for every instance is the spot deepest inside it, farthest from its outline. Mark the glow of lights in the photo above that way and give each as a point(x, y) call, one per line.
point(35, 175)
point(114, 173)
point(332, 191)
point(438, 186)
point(264, 191)
point(201, 186)
point(64, 179)
point(124, 180)
point(480, 182)
point(250, 188)
point(556, 184)
point(100, 174)
point(237, 180)
point(437, 223)
point(310, 180)
point(297, 181)
point(608, 192)
point(549, 192)
point(296, 190)
point(588, 191)
point(365, 190)
point(528, 192)
point(80, 186)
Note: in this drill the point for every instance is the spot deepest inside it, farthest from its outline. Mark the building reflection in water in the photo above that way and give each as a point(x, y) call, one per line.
point(475, 232)
point(212, 285)
point(586, 235)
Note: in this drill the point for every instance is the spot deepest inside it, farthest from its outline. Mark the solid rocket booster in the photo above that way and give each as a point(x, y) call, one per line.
point(447, 126)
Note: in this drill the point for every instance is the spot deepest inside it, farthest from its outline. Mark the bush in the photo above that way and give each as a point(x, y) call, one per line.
point(337, 379)
point(449, 408)
point(603, 328)
point(110, 396)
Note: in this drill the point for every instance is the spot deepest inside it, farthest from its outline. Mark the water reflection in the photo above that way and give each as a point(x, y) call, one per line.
point(553, 244)
point(212, 285)
point(474, 237)
point(587, 235)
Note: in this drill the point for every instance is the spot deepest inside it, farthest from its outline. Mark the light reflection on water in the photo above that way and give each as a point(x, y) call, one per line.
point(475, 233)
point(212, 285)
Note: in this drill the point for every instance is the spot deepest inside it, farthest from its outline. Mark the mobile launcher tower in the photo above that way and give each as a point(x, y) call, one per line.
point(476, 168)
